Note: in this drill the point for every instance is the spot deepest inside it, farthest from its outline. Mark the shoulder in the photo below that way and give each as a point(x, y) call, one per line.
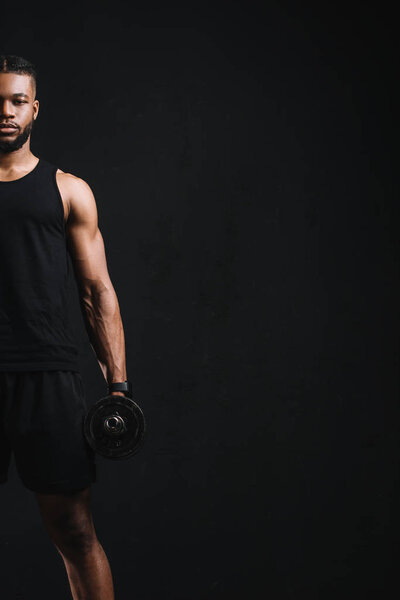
point(72, 184)
point(76, 194)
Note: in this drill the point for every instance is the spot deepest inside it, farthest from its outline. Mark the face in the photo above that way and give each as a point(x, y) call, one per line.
point(18, 110)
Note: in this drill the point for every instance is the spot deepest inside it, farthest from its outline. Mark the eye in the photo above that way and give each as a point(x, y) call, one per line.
point(20, 101)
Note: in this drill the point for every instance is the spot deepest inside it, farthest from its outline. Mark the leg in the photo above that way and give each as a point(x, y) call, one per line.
point(68, 520)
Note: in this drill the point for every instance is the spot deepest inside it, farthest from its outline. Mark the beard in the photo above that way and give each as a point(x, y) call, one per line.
point(18, 142)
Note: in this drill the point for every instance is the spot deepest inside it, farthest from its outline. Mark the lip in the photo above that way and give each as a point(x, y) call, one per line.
point(7, 130)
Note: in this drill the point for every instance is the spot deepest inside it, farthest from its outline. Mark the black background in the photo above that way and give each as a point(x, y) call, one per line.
point(243, 162)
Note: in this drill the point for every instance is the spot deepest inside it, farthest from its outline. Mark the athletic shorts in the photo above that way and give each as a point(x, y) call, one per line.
point(41, 422)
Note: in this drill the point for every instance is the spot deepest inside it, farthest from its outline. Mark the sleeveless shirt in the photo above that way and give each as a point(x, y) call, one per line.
point(35, 333)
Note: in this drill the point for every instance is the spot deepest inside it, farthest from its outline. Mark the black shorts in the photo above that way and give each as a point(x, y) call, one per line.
point(41, 422)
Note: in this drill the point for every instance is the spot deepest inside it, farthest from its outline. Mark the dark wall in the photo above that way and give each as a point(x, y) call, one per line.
point(243, 166)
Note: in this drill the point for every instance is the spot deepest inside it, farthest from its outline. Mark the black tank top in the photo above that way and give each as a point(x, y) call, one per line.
point(35, 333)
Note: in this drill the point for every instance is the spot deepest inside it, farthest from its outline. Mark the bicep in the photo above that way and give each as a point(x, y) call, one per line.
point(85, 242)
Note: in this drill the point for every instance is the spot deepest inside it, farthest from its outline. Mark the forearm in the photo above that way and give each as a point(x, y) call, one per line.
point(102, 318)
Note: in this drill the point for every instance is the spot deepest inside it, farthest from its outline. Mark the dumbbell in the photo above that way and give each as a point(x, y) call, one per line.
point(115, 426)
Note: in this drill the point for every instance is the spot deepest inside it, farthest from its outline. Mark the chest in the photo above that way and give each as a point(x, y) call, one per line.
point(37, 206)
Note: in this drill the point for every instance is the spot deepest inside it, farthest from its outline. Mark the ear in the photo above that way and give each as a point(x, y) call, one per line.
point(35, 109)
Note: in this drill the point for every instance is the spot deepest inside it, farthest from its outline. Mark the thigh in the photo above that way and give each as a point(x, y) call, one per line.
point(45, 428)
point(66, 513)
point(5, 449)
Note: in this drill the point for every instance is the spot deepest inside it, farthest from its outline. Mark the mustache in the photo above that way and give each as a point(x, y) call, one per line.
point(5, 124)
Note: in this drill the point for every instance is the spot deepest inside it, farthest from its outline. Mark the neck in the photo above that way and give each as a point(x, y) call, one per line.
point(17, 160)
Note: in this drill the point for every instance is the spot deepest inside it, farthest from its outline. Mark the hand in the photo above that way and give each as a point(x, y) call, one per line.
point(117, 393)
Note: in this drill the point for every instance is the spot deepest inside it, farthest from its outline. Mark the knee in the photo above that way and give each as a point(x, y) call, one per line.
point(73, 538)
point(76, 543)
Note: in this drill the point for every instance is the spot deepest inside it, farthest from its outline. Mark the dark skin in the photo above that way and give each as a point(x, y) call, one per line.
point(67, 517)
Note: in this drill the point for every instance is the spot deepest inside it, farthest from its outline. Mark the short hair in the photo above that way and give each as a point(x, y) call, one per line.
point(9, 63)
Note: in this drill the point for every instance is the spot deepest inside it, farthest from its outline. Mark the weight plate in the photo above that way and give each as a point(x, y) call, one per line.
point(114, 427)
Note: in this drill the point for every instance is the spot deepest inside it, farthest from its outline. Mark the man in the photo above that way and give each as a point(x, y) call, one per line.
point(45, 214)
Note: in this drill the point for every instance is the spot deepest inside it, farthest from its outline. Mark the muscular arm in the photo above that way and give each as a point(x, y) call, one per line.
point(99, 302)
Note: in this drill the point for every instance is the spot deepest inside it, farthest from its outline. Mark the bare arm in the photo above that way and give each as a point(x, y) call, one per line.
point(99, 302)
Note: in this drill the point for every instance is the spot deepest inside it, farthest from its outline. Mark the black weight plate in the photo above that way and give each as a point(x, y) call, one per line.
point(115, 426)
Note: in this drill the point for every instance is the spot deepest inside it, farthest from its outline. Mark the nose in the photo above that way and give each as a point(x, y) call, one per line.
point(6, 109)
